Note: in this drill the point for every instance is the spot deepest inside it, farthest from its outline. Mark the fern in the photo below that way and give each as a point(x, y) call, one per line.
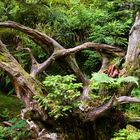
point(102, 78)
point(128, 79)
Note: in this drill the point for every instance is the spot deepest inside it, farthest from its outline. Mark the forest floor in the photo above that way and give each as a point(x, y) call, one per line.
point(10, 106)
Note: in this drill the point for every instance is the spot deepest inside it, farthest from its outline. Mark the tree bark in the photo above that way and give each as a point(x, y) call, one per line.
point(27, 86)
point(133, 51)
point(132, 63)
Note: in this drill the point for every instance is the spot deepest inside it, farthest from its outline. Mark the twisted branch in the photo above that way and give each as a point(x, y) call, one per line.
point(57, 51)
point(93, 112)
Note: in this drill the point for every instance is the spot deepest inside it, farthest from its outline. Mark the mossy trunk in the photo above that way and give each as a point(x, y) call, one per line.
point(94, 126)
point(71, 128)
point(26, 88)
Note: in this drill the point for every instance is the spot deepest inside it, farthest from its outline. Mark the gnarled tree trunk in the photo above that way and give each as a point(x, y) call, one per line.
point(27, 85)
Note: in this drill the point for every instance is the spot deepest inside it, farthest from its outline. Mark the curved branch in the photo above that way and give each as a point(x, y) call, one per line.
point(127, 99)
point(44, 65)
point(93, 112)
point(102, 48)
point(35, 64)
point(21, 77)
point(51, 46)
point(46, 40)
point(105, 62)
point(48, 44)
point(36, 35)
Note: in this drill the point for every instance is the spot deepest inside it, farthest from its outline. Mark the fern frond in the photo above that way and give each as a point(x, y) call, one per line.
point(102, 78)
point(128, 79)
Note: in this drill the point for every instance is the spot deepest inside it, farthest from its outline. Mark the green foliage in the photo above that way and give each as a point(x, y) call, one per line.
point(7, 107)
point(62, 96)
point(102, 21)
point(2, 74)
point(89, 61)
point(102, 78)
point(136, 92)
point(111, 33)
point(2, 132)
point(8, 112)
point(133, 110)
point(130, 133)
point(16, 131)
point(32, 1)
point(4, 114)
point(137, 5)
point(8, 10)
point(22, 56)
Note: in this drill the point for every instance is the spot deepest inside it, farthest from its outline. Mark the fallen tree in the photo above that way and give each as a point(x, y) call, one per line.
point(27, 85)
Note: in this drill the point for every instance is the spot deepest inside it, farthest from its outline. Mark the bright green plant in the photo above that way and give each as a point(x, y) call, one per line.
point(8, 10)
point(136, 92)
point(130, 133)
point(2, 132)
point(62, 96)
point(102, 78)
point(17, 131)
point(133, 110)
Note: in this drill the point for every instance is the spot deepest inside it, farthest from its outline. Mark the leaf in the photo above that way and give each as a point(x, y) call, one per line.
point(128, 79)
point(102, 78)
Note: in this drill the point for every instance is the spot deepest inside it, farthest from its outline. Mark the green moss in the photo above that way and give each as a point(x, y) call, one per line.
point(3, 57)
point(9, 106)
point(116, 61)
